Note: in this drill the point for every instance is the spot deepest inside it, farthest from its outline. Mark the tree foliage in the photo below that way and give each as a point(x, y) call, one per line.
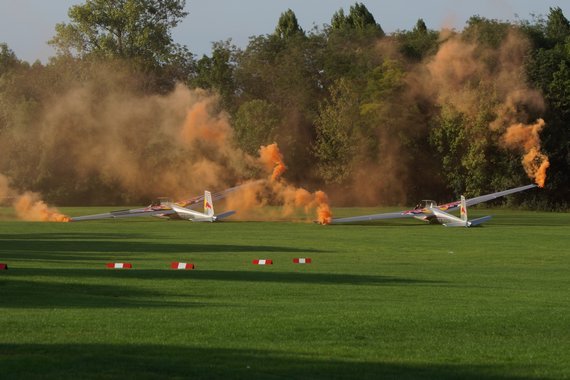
point(138, 31)
point(336, 128)
point(288, 26)
point(255, 125)
point(347, 103)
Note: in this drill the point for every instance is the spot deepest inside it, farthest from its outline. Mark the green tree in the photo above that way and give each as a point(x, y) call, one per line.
point(288, 26)
point(217, 72)
point(336, 124)
point(8, 59)
point(359, 19)
point(557, 26)
point(255, 124)
point(418, 43)
point(486, 32)
point(134, 30)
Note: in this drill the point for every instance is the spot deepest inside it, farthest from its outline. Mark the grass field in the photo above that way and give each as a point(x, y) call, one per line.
point(396, 299)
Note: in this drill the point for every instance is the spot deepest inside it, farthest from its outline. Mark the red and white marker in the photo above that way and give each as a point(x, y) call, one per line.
point(263, 262)
point(119, 265)
point(176, 265)
point(3, 266)
point(302, 260)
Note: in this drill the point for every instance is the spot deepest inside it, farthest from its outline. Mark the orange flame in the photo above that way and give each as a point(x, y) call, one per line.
point(29, 207)
point(272, 159)
point(527, 138)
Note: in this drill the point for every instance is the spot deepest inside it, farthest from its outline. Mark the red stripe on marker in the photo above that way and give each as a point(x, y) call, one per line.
point(263, 262)
point(302, 260)
point(119, 265)
point(3, 266)
point(176, 265)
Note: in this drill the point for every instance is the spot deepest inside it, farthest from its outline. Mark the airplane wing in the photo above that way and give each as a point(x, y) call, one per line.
point(486, 198)
point(368, 218)
point(155, 211)
point(122, 214)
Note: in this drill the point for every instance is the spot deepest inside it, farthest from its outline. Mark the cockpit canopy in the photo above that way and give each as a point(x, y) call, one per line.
point(426, 203)
point(163, 201)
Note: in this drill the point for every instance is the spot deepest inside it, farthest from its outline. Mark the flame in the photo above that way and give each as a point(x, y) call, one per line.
point(527, 138)
point(29, 207)
point(272, 159)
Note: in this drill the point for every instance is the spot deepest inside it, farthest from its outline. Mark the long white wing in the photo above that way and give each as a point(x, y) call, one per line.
point(368, 218)
point(122, 214)
point(489, 197)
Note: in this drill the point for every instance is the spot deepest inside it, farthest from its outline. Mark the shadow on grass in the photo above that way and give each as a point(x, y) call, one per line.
point(59, 247)
point(253, 275)
point(46, 294)
point(71, 236)
point(97, 361)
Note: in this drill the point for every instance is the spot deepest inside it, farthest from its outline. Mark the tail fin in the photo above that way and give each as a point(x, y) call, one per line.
point(463, 209)
point(208, 204)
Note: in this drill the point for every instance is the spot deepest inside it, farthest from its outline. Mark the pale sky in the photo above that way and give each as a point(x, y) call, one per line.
point(26, 25)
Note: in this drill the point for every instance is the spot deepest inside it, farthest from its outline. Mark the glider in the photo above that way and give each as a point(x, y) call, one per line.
point(206, 216)
point(165, 208)
point(449, 220)
point(430, 211)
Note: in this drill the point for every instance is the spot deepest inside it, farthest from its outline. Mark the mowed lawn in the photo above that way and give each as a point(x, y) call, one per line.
point(395, 299)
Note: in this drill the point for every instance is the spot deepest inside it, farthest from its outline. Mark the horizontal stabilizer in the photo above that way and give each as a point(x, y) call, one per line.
point(455, 224)
point(225, 215)
point(478, 221)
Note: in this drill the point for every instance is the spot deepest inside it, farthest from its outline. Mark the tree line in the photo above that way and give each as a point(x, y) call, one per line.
point(373, 118)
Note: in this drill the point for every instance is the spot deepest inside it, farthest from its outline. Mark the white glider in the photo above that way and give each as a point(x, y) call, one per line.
point(449, 220)
point(162, 208)
point(206, 216)
point(430, 211)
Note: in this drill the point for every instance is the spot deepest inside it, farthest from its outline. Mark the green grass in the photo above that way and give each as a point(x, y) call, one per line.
point(396, 299)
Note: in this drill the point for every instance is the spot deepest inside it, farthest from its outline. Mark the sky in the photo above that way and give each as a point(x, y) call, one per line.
point(27, 25)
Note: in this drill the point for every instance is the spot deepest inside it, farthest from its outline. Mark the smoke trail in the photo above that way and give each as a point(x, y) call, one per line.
point(4, 187)
point(323, 210)
point(526, 138)
point(272, 159)
point(30, 207)
point(252, 198)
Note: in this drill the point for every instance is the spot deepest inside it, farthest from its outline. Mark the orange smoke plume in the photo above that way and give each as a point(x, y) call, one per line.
point(4, 187)
point(535, 164)
point(29, 207)
point(254, 195)
point(323, 210)
point(272, 159)
point(527, 138)
point(202, 125)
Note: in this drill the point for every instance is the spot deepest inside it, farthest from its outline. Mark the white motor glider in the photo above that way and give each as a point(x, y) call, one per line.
point(430, 211)
point(449, 220)
point(206, 216)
